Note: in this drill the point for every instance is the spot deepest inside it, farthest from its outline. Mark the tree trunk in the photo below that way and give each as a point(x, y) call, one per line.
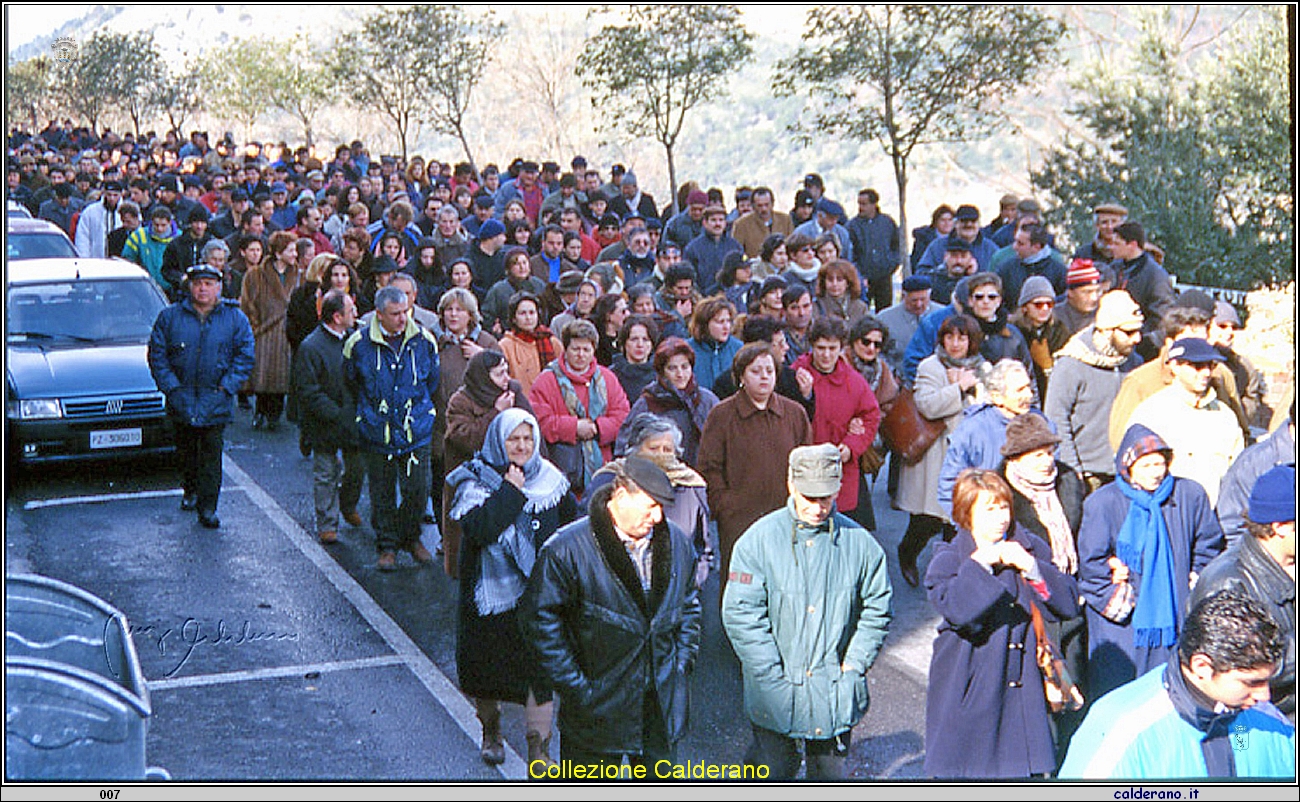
point(402, 127)
point(306, 124)
point(464, 144)
point(900, 177)
point(672, 181)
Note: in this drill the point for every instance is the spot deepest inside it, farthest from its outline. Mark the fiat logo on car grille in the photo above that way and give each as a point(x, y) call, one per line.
point(113, 407)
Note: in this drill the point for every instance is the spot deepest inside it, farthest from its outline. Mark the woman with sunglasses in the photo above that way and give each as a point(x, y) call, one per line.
point(1044, 334)
point(868, 341)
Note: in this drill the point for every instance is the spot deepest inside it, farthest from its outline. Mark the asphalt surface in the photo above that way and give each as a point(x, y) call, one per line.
point(271, 657)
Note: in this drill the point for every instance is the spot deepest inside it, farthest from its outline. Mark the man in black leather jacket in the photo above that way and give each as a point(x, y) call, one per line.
point(1262, 565)
point(614, 613)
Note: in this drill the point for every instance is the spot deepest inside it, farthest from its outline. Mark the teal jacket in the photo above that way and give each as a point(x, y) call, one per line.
point(1135, 733)
point(146, 249)
point(806, 611)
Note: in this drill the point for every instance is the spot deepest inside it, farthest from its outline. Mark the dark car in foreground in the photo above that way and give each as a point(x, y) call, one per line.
point(77, 378)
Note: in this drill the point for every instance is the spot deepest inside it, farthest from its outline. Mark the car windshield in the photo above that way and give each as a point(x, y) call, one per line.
point(47, 245)
point(83, 311)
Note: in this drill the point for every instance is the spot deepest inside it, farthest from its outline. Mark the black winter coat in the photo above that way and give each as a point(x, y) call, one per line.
point(603, 641)
point(326, 407)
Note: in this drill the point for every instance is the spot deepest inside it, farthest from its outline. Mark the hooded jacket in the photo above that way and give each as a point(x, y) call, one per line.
point(1194, 540)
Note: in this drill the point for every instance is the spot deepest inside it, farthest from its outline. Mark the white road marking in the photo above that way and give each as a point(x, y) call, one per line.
point(42, 503)
point(442, 688)
point(201, 680)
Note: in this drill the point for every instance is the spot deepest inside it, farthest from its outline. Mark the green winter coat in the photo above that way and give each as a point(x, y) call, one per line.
point(806, 611)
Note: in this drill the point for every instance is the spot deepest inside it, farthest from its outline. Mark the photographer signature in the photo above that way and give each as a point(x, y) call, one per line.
point(192, 634)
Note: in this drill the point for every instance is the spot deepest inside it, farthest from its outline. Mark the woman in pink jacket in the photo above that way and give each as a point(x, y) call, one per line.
point(580, 406)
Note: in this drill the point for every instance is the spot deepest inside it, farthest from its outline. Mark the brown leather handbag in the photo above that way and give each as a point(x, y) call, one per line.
point(907, 432)
point(1058, 686)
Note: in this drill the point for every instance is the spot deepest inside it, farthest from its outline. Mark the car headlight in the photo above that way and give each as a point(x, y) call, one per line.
point(37, 409)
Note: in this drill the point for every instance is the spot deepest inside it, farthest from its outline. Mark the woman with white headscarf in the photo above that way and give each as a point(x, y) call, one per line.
point(508, 500)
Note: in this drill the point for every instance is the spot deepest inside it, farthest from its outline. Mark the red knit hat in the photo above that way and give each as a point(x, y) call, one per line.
point(1082, 271)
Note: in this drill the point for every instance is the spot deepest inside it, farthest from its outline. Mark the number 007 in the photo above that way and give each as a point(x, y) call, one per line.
point(110, 793)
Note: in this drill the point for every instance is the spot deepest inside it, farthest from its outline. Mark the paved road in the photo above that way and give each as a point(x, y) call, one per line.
point(271, 657)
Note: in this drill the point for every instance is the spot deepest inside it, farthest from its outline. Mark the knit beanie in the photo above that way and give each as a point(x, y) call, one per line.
point(1116, 310)
point(1035, 287)
point(1272, 500)
point(1082, 272)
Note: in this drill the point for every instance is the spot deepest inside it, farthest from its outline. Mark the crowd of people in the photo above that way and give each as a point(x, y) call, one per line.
point(604, 401)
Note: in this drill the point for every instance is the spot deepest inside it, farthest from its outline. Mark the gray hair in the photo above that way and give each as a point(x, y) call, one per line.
point(648, 425)
point(462, 298)
point(215, 245)
point(406, 278)
point(580, 330)
point(389, 295)
point(996, 379)
point(449, 211)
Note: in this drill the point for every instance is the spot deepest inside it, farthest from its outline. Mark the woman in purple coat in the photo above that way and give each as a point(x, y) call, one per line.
point(986, 712)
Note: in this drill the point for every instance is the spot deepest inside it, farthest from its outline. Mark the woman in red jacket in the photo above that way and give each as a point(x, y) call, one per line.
point(847, 415)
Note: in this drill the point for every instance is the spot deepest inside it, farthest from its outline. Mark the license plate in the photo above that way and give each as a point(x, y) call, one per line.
point(117, 438)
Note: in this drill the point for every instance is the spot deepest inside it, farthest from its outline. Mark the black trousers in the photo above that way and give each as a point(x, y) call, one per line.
point(826, 759)
point(199, 449)
point(270, 405)
point(654, 743)
point(880, 293)
point(398, 526)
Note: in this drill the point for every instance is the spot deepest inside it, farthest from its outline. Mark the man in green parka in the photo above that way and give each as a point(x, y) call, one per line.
point(806, 607)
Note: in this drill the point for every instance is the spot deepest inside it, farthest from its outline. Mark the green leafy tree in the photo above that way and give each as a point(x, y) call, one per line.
point(29, 88)
point(650, 68)
point(179, 96)
point(86, 83)
point(415, 66)
point(238, 81)
point(1199, 153)
point(904, 76)
point(139, 69)
point(300, 85)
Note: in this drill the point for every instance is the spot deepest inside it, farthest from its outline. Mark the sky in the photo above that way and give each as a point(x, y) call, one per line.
point(27, 21)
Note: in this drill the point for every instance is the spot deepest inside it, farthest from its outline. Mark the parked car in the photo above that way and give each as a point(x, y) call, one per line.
point(77, 380)
point(29, 238)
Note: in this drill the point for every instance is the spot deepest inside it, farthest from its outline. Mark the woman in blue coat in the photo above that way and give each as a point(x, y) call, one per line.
point(986, 712)
point(1144, 539)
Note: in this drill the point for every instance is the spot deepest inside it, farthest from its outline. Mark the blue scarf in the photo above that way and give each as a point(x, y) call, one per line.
point(1143, 545)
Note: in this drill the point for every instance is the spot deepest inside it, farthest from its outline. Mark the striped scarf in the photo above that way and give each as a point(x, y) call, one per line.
point(539, 337)
point(597, 398)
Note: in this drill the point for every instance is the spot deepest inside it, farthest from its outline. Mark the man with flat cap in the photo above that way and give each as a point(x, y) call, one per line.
point(200, 352)
point(614, 613)
point(807, 606)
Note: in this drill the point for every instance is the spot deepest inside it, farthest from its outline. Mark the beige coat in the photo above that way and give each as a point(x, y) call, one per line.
point(265, 300)
point(936, 399)
point(750, 232)
point(525, 363)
